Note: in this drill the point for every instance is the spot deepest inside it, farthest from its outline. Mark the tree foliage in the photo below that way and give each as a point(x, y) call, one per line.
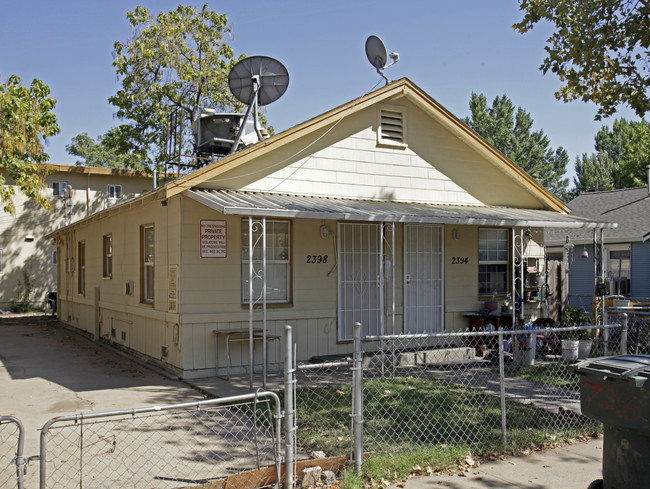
point(106, 151)
point(178, 61)
point(26, 120)
point(511, 133)
point(620, 160)
point(599, 49)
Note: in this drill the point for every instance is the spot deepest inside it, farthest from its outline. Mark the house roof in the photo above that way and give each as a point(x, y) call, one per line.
point(250, 160)
point(93, 170)
point(629, 208)
point(395, 91)
point(277, 205)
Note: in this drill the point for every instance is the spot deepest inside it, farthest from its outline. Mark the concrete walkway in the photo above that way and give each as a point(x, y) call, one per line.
point(569, 467)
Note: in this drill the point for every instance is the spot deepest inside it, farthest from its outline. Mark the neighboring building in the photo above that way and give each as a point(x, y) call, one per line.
point(75, 192)
point(625, 249)
point(387, 210)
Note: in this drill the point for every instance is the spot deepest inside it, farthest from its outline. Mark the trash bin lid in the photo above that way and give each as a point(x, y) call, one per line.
point(635, 368)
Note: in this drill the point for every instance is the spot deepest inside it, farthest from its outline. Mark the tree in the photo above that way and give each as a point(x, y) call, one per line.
point(622, 154)
point(26, 120)
point(512, 134)
point(105, 152)
point(176, 63)
point(599, 49)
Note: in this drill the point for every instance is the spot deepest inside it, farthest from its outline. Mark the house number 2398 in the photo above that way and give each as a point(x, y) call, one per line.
point(316, 258)
point(459, 260)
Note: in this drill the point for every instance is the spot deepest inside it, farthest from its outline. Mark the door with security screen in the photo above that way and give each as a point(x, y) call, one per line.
point(423, 278)
point(359, 283)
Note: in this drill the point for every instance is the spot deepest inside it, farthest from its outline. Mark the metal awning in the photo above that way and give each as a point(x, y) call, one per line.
point(281, 205)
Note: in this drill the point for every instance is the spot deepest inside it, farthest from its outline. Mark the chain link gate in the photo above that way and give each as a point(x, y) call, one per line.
point(212, 443)
point(12, 438)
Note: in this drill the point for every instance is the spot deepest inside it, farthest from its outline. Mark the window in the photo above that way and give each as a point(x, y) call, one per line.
point(81, 277)
point(107, 262)
point(114, 192)
point(58, 188)
point(618, 272)
point(54, 257)
point(147, 263)
point(278, 265)
point(492, 261)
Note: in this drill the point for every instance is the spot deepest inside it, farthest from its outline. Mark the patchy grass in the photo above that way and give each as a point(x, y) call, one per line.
point(425, 423)
point(558, 374)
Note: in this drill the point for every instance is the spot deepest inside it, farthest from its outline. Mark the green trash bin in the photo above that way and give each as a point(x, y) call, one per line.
point(615, 391)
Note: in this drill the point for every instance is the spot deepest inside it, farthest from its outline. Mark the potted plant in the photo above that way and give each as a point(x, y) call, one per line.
point(576, 344)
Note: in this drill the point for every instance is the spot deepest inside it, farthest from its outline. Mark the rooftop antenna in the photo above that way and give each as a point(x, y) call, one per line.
point(257, 81)
point(376, 53)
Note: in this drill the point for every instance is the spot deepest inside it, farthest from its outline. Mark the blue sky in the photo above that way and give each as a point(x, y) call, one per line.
point(449, 48)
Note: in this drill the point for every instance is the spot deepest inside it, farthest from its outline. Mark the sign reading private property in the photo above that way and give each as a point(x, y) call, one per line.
point(214, 243)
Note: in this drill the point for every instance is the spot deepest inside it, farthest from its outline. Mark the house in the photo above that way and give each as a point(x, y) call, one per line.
point(387, 210)
point(623, 251)
point(27, 258)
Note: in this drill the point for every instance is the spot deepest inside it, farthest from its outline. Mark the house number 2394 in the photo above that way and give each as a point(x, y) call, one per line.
point(316, 258)
point(459, 260)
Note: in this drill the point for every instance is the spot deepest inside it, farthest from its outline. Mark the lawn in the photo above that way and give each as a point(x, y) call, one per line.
point(427, 422)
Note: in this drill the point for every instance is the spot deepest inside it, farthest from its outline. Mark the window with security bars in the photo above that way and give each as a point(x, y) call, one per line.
point(278, 263)
point(492, 261)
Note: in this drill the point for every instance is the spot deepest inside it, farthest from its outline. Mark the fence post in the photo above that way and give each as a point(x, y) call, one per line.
point(502, 388)
point(289, 413)
point(605, 341)
point(357, 400)
point(624, 334)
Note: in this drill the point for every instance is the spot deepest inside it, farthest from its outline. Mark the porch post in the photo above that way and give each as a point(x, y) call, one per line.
point(264, 351)
point(518, 279)
point(251, 274)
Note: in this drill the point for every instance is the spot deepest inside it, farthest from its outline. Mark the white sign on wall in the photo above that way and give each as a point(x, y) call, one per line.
point(214, 242)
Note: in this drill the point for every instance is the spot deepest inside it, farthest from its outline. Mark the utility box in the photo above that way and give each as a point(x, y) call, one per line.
point(615, 391)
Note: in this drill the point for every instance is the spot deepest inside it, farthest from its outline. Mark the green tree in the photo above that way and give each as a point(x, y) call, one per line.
point(177, 62)
point(599, 49)
point(105, 152)
point(622, 154)
point(511, 133)
point(26, 120)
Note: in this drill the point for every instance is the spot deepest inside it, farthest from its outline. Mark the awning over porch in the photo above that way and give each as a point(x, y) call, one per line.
point(280, 205)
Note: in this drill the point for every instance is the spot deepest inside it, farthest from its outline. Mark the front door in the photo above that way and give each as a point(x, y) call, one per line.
point(359, 294)
point(423, 278)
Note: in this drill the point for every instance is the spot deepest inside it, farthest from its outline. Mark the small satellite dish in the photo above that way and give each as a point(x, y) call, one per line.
point(269, 74)
point(256, 81)
point(376, 53)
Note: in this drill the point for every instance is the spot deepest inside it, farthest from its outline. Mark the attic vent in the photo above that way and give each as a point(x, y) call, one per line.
point(392, 127)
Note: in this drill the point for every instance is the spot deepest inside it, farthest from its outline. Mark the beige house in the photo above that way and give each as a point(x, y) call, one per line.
point(75, 192)
point(387, 210)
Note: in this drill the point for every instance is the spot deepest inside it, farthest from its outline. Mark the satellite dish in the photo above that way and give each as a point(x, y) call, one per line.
point(256, 81)
point(270, 76)
point(376, 53)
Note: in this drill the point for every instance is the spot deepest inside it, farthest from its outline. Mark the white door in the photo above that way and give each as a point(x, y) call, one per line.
point(359, 285)
point(423, 278)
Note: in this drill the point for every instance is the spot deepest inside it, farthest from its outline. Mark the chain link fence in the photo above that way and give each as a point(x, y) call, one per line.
point(478, 391)
point(11, 452)
point(183, 445)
